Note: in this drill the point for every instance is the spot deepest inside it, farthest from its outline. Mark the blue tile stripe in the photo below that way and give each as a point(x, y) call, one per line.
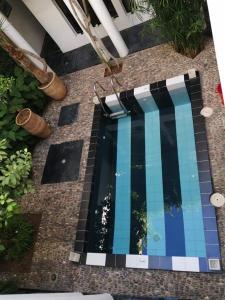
point(121, 239)
point(190, 190)
point(154, 186)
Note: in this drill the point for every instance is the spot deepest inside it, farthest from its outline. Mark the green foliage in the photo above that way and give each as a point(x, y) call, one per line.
point(3, 148)
point(5, 86)
point(23, 93)
point(14, 173)
point(8, 287)
point(180, 21)
point(8, 208)
point(14, 182)
point(16, 238)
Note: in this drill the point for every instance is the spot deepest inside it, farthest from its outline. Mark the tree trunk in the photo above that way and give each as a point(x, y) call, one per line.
point(20, 58)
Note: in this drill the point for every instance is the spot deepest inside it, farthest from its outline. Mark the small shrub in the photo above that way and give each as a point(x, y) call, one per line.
point(180, 21)
point(5, 86)
point(14, 173)
point(8, 208)
point(16, 238)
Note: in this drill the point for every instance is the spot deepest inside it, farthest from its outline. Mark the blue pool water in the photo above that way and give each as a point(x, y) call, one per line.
point(148, 196)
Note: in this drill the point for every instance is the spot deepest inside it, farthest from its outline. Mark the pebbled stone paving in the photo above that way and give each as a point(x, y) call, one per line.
point(59, 203)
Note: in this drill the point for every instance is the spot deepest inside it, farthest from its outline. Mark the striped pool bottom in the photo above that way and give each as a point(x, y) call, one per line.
point(150, 207)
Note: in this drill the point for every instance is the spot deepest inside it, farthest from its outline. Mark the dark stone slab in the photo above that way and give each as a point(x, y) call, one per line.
point(136, 39)
point(68, 114)
point(63, 162)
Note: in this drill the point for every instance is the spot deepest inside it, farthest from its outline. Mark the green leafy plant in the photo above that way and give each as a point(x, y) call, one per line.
point(14, 182)
point(8, 208)
point(5, 86)
point(16, 238)
point(180, 21)
point(3, 147)
point(14, 172)
point(23, 93)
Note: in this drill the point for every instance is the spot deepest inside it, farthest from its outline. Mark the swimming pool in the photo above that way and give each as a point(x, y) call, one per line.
point(146, 199)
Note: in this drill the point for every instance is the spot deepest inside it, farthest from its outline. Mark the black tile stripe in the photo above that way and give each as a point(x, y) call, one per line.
point(100, 237)
point(81, 234)
point(154, 86)
point(130, 102)
point(83, 258)
point(138, 183)
point(110, 260)
point(113, 184)
point(79, 246)
point(162, 83)
point(174, 227)
point(201, 143)
point(120, 261)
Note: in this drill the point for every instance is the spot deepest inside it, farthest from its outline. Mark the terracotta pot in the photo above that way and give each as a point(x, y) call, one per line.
point(33, 123)
point(55, 89)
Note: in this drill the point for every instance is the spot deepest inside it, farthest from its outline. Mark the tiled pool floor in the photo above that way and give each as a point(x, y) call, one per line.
point(149, 205)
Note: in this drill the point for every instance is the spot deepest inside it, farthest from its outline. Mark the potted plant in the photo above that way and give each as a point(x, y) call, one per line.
point(33, 123)
point(51, 84)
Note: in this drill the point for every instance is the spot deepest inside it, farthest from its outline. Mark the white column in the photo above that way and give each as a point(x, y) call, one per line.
point(216, 13)
point(107, 22)
point(18, 40)
point(81, 18)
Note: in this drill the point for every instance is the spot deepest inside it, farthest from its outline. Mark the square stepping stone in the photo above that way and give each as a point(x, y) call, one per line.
point(68, 114)
point(63, 162)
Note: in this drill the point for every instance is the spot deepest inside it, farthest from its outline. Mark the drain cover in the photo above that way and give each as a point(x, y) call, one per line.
point(217, 200)
point(214, 264)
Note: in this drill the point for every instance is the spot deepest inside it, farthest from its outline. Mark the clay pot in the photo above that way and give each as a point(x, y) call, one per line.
point(55, 89)
point(33, 123)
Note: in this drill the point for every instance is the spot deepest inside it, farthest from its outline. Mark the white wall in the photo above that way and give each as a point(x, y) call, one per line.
point(216, 13)
point(54, 22)
point(61, 31)
point(25, 23)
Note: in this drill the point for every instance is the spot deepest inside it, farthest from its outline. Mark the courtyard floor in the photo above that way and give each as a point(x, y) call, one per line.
point(59, 203)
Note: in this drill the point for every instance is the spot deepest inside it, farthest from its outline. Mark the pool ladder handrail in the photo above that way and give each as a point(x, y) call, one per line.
point(99, 98)
point(125, 111)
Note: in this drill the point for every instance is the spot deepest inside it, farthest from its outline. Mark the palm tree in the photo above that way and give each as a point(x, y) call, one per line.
point(19, 56)
point(181, 22)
